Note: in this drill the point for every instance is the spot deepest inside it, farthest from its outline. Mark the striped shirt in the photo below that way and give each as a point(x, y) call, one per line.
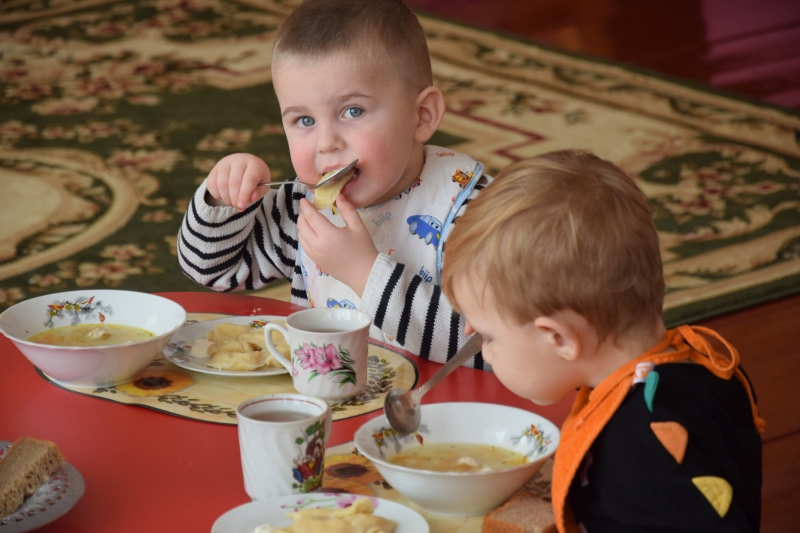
point(225, 250)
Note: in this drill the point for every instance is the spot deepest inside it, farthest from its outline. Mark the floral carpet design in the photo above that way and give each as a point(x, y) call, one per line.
point(112, 112)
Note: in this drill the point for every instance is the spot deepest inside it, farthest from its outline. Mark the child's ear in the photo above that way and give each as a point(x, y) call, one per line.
point(430, 106)
point(561, 335)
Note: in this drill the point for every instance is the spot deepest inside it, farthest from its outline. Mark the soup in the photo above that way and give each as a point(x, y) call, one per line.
point(92, 335)
point(458, 457)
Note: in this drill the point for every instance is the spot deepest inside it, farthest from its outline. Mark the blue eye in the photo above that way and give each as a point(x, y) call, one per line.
point(306, 122)
point(353, 112)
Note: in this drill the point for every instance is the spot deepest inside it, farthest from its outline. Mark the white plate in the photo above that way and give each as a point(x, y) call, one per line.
point(51, 500)
point(245, 518)
point(176, 350)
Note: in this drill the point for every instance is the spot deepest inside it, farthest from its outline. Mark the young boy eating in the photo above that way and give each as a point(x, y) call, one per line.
point(353, 79)
point(557, 265)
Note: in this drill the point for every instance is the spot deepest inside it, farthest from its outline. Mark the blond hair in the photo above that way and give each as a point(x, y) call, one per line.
point(384, 32)
point(564, 230)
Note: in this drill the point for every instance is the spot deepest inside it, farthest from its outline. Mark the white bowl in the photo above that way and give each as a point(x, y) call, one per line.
point(461, 493)
point(99, 366)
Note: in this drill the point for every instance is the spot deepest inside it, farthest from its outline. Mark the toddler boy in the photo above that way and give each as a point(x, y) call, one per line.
point(353, 79)
point(557, 265)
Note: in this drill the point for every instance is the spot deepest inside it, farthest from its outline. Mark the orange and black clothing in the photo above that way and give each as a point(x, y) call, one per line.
point(663, 446)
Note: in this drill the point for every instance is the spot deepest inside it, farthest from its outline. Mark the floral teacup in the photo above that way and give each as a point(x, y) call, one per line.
point(328, 351)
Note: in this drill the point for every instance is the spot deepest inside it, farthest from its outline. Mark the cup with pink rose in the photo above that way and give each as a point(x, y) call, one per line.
point(328, 351)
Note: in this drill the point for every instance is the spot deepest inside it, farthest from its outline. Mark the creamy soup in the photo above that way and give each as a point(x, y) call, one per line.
point(92, 335)
point(458, 457)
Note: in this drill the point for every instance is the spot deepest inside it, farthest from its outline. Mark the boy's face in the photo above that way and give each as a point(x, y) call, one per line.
point(524, 358)
point(335, 111)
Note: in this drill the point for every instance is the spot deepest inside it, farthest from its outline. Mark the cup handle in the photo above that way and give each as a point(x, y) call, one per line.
point(328, 425)
point(271, 345)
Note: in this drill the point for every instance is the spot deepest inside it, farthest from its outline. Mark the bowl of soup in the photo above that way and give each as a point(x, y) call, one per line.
point(92, 338)
point(465, 459)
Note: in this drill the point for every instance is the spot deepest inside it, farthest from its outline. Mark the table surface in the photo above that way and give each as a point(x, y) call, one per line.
point(150, 471)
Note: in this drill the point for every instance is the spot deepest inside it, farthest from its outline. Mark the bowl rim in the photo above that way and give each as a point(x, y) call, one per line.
point(406, 469)
point(27, 342)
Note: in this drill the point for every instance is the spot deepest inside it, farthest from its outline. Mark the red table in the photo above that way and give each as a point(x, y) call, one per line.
point(147, 471)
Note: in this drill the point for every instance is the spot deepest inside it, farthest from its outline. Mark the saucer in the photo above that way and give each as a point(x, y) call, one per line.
point(245, 518)
point(179, 346)
point(52, 499)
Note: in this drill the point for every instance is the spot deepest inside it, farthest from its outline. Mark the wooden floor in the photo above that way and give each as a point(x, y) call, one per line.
point(751, 47)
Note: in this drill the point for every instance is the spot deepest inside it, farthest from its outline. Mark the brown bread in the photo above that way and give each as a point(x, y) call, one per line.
point(26, 465)
point(523, 513)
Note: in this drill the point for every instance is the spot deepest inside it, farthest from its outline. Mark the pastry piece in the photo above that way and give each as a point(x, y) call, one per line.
point(238, 360)
point(357, 518)
point(523, 513)
point(200, 348)
point(26, 465)
point(325, 196)
point(234, 347)
point(226, 332)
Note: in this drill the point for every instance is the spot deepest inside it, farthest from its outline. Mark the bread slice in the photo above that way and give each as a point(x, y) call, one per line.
point(26, 465)
point(523, 513)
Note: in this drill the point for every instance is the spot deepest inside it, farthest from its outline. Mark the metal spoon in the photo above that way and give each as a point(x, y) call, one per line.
point(338, 174)
point(402, 407)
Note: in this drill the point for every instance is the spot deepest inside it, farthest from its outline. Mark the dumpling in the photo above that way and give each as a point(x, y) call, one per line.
point(237, 360)
point(325, 196)
point(226, 331)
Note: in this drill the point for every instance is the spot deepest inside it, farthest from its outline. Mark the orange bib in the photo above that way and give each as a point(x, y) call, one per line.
point(593, 408)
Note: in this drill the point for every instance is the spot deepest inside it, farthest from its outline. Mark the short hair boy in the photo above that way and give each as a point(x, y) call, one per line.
point(557, 266)
point(353, 79)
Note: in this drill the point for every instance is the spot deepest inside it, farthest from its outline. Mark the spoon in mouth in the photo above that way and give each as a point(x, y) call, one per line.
point(331, 178)
point(402, 407)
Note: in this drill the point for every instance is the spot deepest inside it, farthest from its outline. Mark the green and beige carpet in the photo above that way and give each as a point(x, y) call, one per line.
point(112, 112)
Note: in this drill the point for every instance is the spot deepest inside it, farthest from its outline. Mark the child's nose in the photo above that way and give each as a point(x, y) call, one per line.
point(329, 140)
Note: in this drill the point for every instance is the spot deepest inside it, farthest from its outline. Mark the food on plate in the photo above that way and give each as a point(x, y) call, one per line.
point(236, 347)
point(25, 466)
point(200, 348)
point(523, 513)
point(458, 457)
point(358, 518)
point(325, 196)
point(92, 335)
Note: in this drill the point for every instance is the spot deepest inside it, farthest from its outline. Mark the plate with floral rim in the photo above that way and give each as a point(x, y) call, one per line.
point(51, 500)
point(246, 518)
point(180, 344)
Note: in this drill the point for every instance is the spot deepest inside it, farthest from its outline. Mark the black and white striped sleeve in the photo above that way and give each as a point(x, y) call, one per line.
point(416, 314)
point(225, 250)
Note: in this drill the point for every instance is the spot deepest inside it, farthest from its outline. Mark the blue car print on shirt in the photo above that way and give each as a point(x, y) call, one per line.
point(426, 228)
point(344, 303)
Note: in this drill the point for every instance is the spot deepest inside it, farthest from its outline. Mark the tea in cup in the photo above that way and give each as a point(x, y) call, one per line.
point(328, 351)
point(282, 440)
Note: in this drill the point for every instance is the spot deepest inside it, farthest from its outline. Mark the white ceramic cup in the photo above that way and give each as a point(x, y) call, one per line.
point(282, 440)
point(328, 351)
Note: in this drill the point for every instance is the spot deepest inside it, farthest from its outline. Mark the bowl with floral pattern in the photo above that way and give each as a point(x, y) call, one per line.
point(99, 314)
point(461, 493)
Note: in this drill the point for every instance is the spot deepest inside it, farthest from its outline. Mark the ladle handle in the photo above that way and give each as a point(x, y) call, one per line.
point(472, 347)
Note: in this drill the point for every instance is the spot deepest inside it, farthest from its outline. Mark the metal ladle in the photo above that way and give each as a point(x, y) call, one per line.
point(335, 176)
point(402, 407)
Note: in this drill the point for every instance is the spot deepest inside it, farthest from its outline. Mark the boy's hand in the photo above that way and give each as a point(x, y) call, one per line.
point(346, 253)
point(234, 180)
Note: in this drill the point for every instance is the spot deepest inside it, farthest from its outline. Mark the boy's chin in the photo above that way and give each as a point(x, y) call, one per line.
point(544, 402)
point(356, 202)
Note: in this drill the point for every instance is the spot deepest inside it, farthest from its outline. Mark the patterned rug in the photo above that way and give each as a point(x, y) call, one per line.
point(112, 112)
